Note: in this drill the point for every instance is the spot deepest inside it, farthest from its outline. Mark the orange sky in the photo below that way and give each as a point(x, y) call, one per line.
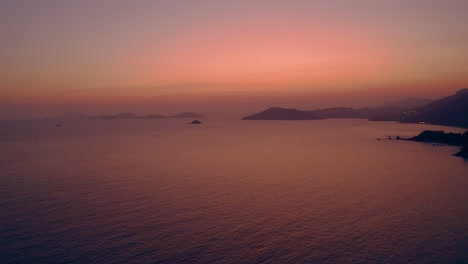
point(165, 56)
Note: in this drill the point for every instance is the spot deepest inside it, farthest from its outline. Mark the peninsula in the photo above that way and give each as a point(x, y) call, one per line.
point(453, 139)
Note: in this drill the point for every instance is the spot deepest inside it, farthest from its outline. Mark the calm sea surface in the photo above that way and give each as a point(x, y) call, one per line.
point(229, 191)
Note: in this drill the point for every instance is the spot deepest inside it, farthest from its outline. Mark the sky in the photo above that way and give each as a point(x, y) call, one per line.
point(226, 56)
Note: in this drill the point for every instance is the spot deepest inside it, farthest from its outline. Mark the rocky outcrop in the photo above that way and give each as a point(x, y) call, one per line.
point(462, 153)
point(440, 137)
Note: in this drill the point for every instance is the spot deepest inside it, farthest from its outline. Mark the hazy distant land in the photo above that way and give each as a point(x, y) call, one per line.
point(449, 111)
point(127, 115)
point(278, 113)
point(132, 115)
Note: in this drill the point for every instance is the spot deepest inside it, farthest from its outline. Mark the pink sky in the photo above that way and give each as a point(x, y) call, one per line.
point(226, 56)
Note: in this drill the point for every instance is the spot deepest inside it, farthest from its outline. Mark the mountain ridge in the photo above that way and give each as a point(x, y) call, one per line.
point(279, 113)
point(450, 111)
point(406, 103)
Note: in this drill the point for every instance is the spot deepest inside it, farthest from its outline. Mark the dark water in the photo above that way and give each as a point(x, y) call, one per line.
point(162, 191)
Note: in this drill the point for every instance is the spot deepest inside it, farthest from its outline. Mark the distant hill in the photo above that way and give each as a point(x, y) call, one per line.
point(407, 103)
point(72, 116)
point(346, 112)
point(125, 115)
point(449, 111)
point(187, 115)
point(383, 112)
point(130, 115)
point(278, 113)
point(340, 112)
point(154, 116)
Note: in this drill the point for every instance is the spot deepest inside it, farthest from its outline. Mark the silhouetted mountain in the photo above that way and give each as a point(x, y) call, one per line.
point(339, 112)
point(195, 122)
point(450, 111)
point(187, 115)
point(346, 112)
point(278, 113)
point(72, 116)
point(130, 115)
point(383, 112)
point(389, 114)
point(407, 103)
point(154, 116)
point(126, 115)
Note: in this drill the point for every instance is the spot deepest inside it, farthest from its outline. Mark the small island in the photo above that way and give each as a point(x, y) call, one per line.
point(195, 122)
point(440, 137)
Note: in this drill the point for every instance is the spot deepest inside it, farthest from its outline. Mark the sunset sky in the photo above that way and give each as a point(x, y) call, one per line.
point(215, 56)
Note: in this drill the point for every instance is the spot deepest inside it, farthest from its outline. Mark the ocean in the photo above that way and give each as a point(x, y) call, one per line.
point(229, 191)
